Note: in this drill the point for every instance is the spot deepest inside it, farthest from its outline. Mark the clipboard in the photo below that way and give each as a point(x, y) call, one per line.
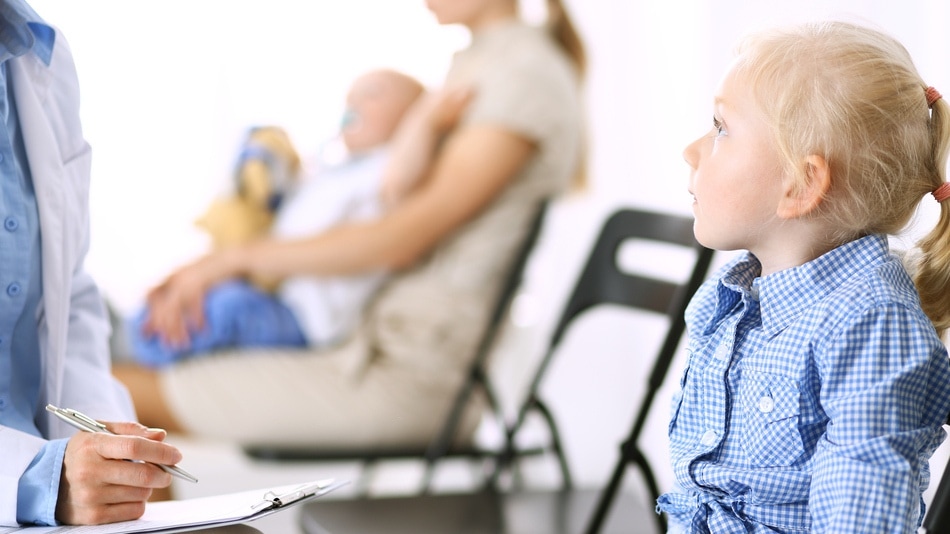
point(190, 515)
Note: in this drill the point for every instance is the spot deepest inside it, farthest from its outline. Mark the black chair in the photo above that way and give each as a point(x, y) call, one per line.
point(937, 520)
point(477, 381)
point(495, 510)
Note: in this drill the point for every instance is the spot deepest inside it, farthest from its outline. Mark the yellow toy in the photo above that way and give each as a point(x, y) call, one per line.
point(267, 168)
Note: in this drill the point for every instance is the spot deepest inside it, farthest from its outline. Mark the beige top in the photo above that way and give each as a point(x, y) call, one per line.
point(394, 380)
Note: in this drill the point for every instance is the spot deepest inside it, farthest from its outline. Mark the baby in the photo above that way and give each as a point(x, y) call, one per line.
point(304, 310)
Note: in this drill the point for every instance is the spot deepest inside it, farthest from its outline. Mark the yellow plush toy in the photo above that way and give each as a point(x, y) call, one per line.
point(267, 168)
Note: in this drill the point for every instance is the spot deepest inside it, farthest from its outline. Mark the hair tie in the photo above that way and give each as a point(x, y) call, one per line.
point(942, 193)
point(932, 96)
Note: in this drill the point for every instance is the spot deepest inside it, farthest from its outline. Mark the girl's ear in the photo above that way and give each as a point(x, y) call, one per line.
point(801, 199)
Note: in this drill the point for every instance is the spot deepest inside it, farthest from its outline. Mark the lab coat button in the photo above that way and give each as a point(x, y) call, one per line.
point(11, 224)
point(13, 289)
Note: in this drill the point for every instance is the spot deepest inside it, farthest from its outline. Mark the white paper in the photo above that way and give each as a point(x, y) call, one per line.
point(176, 516)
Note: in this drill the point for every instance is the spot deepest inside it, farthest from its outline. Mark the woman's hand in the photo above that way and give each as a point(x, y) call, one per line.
point(99, 486)
point(417, 140)
point(176, 306)
point(443, 109)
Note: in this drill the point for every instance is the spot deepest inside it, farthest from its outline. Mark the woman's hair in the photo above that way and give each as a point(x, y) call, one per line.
point(852, 95)
point(562, 29)
point(564, 33)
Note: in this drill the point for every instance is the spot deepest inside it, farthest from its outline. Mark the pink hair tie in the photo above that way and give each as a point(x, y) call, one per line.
point(932, 96)
point(942, 193)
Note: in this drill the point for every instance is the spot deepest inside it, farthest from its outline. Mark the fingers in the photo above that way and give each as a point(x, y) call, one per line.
point(105, 458)
point(194, 311)
point(98, 484)
point(71, 512)
point(137, 429)
point(166, 320)
point(448, 106)
point(133, 447)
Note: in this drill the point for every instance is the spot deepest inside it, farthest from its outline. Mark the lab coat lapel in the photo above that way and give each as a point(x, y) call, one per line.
point(31, 80)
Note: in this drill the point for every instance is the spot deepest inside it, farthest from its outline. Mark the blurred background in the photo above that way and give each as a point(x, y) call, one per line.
point(170, 87)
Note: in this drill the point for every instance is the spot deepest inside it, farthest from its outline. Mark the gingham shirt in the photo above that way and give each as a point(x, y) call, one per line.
point(812, 399)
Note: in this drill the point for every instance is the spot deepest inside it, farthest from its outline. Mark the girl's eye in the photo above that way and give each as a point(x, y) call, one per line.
point(718, 126)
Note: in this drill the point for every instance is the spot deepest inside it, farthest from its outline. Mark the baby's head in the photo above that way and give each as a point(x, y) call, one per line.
point(375, 104)
point(851, 95)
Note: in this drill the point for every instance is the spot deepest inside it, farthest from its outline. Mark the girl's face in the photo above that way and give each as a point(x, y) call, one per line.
point(736, 178)
point(471, 13)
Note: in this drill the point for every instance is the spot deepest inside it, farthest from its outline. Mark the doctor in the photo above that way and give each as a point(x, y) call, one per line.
point(53, 328)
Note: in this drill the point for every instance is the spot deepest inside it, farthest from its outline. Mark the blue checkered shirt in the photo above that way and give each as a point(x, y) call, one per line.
point(812, 400)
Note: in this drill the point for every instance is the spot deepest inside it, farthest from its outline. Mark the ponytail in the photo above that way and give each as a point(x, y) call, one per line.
point(933, 270)
point(564, 33)
point(562, 29)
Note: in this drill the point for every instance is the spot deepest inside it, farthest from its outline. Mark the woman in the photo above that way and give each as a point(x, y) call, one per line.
point(450, 242)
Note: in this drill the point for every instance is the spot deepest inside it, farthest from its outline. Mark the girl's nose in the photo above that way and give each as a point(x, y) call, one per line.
point(691, 153)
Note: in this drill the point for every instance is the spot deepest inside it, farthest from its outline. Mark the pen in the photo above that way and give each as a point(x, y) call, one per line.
point(88, 424)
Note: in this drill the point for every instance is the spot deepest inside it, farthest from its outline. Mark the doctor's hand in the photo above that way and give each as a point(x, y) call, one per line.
point(99, 486)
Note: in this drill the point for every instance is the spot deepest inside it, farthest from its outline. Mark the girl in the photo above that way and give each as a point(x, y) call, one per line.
point(817, 382)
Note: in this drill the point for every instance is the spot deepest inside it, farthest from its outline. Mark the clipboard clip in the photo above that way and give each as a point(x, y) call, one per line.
point(276, 500)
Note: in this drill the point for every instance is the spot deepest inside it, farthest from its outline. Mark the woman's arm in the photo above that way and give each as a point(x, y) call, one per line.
point(472, 168)
point(417, 139)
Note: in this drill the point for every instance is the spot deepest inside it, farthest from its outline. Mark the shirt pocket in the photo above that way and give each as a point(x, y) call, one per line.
point(771, 407)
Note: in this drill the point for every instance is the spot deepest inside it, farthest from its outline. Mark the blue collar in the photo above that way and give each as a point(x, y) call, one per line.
point(22, 31)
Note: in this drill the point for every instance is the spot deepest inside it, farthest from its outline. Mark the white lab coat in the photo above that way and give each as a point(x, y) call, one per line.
point(71, 320)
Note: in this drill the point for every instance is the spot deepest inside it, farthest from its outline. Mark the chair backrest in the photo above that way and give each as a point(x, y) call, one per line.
point(938, 513)
point(478, 377)
point(602, 281)
point(476, 380)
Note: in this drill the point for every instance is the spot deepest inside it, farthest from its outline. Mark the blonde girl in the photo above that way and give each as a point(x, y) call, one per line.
point(817, 382)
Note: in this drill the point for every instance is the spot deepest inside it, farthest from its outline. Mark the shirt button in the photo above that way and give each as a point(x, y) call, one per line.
point(766, 404)
point(722, 352)
point(13, 289)
point(709, 438)
point(11, 224)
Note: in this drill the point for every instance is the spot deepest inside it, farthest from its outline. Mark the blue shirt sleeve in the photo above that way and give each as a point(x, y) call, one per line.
point(881, 388)
point(39, 485)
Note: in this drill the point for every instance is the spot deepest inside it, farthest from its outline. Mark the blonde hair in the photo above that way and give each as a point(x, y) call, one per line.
point(852, 95)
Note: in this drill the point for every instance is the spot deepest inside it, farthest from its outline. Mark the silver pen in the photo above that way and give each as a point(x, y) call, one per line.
point(88, 424)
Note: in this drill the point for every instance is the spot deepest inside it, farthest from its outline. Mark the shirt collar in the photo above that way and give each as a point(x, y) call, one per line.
point(785, 295)
point(22, 31)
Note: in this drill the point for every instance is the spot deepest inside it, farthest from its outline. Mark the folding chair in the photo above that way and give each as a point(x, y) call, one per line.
point(493, 510)
point(937, 520)
point(442, 446)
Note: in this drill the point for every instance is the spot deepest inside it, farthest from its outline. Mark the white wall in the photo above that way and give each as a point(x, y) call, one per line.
point(169, 88)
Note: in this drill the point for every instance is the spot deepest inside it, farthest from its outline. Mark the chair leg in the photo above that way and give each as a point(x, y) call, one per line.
point(629, 453)
point(637, 457)
point(606, 499)
point(567, 480)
